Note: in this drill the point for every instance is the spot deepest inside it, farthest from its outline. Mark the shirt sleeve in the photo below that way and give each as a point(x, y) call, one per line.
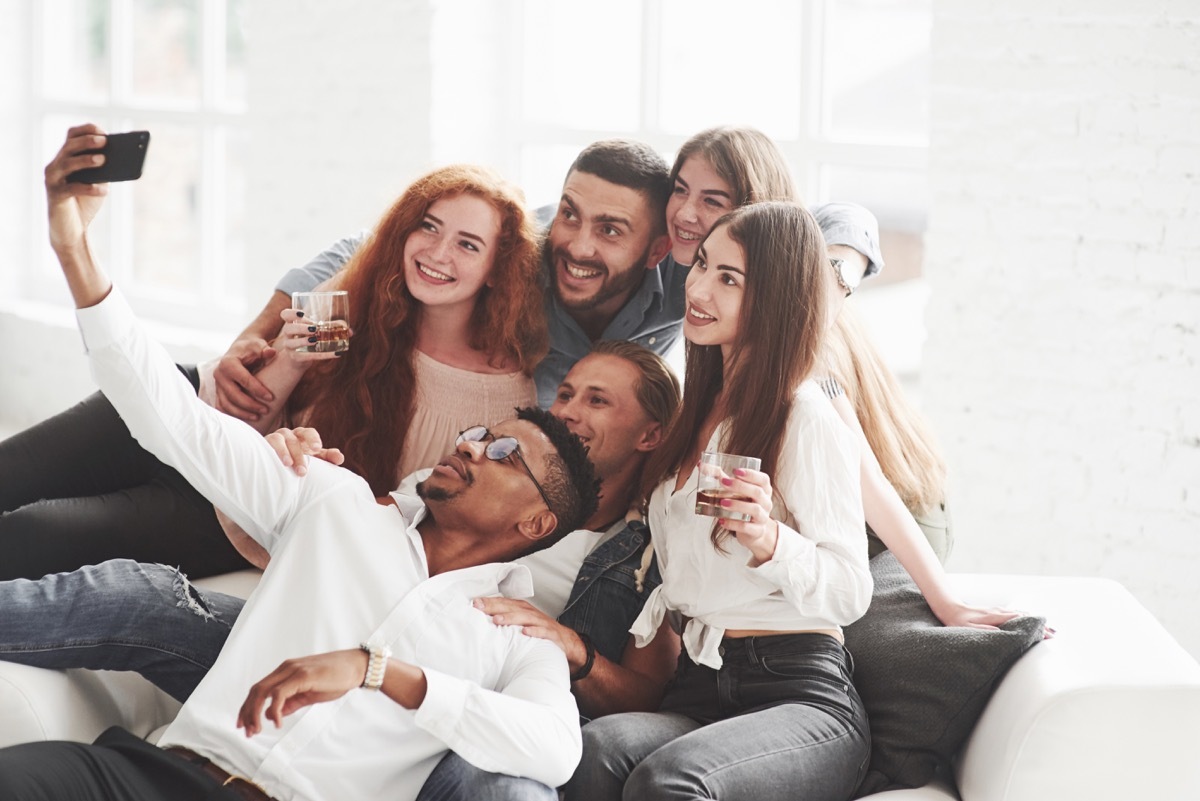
point(820, 560)
point(528, 726)
point(323, 266)
point(225, 459)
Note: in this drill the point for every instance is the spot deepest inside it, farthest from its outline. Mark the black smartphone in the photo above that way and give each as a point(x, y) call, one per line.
point(124, 154)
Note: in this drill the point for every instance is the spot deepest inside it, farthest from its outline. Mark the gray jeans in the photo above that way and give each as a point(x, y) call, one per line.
point(779, 720)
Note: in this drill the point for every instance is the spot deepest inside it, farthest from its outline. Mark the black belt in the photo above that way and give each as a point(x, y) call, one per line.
point(239, 784)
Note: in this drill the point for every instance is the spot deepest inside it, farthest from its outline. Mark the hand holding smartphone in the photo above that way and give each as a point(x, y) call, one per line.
point(124, 155)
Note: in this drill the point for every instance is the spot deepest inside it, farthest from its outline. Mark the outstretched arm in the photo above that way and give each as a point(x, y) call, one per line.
point(72, 207)
point(223, 458)
point(893, 523)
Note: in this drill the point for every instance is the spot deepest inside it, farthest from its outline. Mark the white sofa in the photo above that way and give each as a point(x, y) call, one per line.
point(1108, 710)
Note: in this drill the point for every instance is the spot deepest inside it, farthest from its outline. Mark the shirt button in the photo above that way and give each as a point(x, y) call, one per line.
point(721, 650)
point(652, 340)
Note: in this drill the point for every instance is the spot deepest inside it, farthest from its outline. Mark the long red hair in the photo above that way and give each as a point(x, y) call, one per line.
point(362, 402)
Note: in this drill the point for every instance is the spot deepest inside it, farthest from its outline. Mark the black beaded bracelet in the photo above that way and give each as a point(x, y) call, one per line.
point(586, 668)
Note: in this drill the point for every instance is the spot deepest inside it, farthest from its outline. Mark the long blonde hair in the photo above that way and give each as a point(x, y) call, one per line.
point(898, 435)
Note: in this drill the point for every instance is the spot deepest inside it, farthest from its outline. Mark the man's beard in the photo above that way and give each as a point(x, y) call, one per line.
point(428, 493)
point(614, 285)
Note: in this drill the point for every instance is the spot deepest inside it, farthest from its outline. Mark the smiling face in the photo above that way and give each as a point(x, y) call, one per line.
point(698, 199)
point(715, 289)
point(497, 494)
point(601, 243)
point(598, 402)
point(448, 258)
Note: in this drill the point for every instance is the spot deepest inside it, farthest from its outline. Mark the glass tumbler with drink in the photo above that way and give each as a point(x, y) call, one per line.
point(328, 312)
point(714, 467)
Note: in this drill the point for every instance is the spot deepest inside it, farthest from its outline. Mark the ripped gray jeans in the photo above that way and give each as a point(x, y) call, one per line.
point(119, 615)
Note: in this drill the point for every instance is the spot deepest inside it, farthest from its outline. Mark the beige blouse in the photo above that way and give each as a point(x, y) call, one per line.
point(450, 400)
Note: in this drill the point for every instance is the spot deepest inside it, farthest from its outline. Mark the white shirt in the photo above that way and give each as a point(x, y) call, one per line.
point(343, 570)
point(818, 576)
point(554, 569)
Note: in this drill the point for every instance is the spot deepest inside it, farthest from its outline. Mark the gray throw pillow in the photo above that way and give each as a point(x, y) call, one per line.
point(923, 685)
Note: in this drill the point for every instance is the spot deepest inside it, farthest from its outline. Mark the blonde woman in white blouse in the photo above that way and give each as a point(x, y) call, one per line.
point(762, 702)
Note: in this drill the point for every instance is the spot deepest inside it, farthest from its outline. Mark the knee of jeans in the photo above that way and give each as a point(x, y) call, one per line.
point(188, 596)
point(602, 740)
point(658, 779)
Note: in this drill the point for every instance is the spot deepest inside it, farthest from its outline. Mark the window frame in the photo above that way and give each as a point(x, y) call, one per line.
point(213, 117)
point(813, 153)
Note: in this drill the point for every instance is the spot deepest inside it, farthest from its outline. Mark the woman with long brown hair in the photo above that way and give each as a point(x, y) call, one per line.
point(762, 700)
point(903, 475)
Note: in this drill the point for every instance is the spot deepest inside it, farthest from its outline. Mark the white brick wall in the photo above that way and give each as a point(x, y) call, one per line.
point(1062, 366)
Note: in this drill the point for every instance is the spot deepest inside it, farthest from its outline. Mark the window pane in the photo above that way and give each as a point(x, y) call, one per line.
point(166, 212)
point(877, 69)
point(900, 200)
point(235, 53)
point(723, 64)
point(75, 49)
point(166, 51)
point(234, 175)
point(583, 63)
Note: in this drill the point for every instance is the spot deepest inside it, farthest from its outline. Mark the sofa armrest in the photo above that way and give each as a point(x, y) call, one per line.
point(1107, 710)
point(39, 704)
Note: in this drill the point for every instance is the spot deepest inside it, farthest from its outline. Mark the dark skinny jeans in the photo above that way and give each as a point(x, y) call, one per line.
point(77, 489)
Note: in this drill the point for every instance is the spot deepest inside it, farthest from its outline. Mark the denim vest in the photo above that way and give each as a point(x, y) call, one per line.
point(605, 599)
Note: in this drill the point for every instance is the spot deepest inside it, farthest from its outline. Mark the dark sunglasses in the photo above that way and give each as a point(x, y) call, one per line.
point(500, 449)
point(845, 276)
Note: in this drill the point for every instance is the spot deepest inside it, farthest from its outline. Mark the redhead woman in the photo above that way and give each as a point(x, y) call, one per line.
point(449, 324)
point(446, 308)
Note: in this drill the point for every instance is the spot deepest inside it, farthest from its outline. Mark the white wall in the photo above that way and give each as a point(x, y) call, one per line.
point(1062, 367)
point(339, 124)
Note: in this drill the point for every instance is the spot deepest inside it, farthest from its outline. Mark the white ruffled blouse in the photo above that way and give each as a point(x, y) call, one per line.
point(817, 578)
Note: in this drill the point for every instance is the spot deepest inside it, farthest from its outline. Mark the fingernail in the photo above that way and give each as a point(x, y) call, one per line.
point(299, 314)
point(312, 339)
point(739, 472)
point(726, 502)
point(478, 604)
point(727, 482)
point(339, 353)
point(312, 329)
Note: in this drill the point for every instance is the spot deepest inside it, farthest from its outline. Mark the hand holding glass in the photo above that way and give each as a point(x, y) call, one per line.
point(328, 313)
point(711, 491)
